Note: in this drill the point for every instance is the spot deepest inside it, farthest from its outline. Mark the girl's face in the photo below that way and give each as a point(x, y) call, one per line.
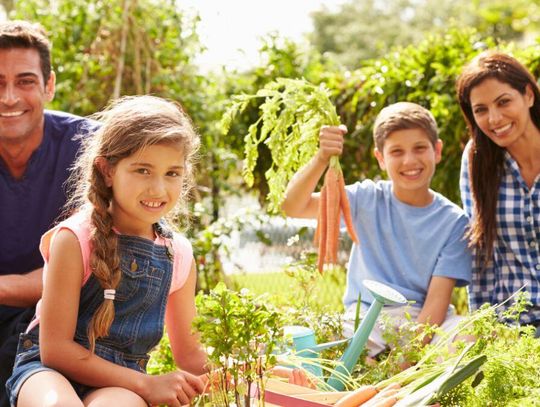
point(501, 112)
point(146, 186)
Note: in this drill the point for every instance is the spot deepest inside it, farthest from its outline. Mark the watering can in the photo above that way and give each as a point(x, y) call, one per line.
point(305, 345)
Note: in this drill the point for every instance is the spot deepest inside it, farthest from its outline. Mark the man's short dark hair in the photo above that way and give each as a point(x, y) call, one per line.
point(22, 34)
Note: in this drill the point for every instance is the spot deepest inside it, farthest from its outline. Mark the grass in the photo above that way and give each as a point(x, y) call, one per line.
point(327, 289)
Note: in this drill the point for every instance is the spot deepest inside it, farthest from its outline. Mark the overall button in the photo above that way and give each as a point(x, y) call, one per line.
point(532, 243)
point(27, 344)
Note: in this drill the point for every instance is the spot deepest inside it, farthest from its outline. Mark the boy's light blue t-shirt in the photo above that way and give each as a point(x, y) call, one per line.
point(402, 245)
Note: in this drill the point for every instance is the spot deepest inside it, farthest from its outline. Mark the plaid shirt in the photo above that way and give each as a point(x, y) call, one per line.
point(516, 256)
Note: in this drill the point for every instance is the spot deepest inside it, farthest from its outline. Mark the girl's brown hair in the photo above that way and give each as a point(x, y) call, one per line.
point(486, 159)
point(128, 125)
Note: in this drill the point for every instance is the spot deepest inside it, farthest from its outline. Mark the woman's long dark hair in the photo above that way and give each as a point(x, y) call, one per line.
point(486, 159)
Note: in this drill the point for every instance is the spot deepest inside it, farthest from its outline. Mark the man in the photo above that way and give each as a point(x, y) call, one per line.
point(37, 149)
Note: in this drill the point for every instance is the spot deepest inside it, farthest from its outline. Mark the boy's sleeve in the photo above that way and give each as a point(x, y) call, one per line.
point(455, 260)
point(482, 281)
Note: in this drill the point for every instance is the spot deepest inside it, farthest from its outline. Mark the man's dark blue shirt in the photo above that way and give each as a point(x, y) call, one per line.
point(29, 206)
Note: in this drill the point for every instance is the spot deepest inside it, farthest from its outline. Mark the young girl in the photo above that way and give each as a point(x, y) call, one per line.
point(500, 179)
point(114, 272)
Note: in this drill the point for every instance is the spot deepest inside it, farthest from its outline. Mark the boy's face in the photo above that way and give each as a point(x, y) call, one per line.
point(409, 158)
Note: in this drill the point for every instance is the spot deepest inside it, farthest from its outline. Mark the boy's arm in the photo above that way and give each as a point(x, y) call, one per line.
point(300, 199)
point(437, 301)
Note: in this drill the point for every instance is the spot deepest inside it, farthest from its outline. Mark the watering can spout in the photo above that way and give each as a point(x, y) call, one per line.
point(383, 295)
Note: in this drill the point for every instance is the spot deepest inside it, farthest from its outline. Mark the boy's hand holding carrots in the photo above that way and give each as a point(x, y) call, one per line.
point(331, 139)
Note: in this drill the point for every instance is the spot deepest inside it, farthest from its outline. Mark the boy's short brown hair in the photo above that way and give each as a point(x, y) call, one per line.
point(401, 116)
point(26, 35)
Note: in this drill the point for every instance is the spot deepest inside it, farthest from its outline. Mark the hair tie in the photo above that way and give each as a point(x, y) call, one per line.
point(109, 293)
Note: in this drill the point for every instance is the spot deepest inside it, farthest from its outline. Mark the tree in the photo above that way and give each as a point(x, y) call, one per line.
point(365, 29)
point(104, 49)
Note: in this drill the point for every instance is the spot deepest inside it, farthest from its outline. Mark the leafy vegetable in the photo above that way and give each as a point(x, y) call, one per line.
point(292, 113)
point(240, 333)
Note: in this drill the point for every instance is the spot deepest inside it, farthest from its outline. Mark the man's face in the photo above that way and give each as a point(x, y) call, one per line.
point(23, 95)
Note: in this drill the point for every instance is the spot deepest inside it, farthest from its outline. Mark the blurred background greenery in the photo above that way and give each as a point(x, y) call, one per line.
point(368, 53)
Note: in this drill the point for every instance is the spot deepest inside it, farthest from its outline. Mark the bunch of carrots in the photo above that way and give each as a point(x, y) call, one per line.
point(333, 203)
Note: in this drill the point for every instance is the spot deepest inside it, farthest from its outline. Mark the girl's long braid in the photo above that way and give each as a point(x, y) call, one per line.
point(104, 261)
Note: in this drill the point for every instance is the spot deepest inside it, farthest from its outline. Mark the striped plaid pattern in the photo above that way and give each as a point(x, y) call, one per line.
point(516, 256)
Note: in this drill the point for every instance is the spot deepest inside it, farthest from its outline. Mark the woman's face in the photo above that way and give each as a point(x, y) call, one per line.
point(501, 112)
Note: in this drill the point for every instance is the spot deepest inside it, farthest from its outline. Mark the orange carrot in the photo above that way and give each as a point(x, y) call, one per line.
point(333, 202)
point(322, 229)
point(332, 214)
point(385, 398)
point(357, 397)
point(346, 209)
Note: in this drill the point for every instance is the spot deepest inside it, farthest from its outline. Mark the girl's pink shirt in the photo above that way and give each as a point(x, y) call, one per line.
point(79, 224)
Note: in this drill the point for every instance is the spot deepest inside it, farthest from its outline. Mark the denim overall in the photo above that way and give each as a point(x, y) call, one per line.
point(139, 305)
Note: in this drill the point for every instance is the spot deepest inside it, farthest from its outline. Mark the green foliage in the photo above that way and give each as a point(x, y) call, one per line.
point(161, 359)
point(368, 29)
point(240, 333)
point(91, 64)
point(292, 114)
point(507, 353)
point(282, 59)
point(298, 288)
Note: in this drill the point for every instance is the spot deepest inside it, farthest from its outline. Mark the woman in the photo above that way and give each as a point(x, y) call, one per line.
point(500, 182)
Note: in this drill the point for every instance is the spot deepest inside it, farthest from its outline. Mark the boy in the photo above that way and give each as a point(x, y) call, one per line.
point(411, 238)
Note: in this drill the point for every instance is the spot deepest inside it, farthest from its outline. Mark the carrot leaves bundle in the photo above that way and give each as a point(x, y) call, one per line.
point(292, 113)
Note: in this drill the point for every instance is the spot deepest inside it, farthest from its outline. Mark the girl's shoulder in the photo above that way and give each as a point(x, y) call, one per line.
point(181, 244)
point(78, 224)
point(183, 259)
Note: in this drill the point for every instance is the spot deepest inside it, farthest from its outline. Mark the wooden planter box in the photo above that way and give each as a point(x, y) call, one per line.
point(278, 393)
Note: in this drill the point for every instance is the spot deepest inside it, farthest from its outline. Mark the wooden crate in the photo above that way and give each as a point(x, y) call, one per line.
point(278, 393)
